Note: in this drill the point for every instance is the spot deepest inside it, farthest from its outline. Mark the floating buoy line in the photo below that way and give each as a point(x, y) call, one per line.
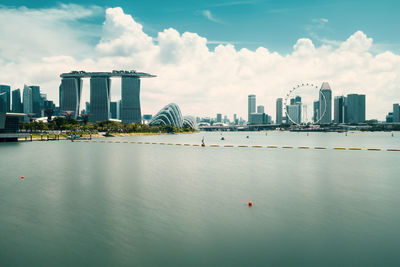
point(244, 146)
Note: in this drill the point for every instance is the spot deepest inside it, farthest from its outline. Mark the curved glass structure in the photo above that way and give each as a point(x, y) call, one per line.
point(168, 115)
point(189, 122)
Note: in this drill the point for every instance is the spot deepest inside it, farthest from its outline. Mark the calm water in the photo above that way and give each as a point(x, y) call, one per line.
point(102, 204)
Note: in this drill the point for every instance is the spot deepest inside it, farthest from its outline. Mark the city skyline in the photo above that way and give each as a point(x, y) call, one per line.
point(196, 72)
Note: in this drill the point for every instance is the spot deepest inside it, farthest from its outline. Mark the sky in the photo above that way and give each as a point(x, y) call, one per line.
point(208, 55)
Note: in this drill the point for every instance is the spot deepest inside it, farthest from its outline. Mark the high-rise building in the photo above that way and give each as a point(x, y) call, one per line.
point(113, 110)
point(316, 111)
point(389, 117)
point(6, 89)
point(260, 109)
point(87, 107)
point(339, 103)
point(219, 117)
point(27, 100)
point(48, 104)
point(3, 102)
point(294, 113)
point(396, 113)
point(325, 104)
point(355, 108)
point(71, 95)
point(130, 100)
point(100, 98)
point(16, 101)
point(279, 106)
point(251, 106)
point(235, 119)
point(36, 100)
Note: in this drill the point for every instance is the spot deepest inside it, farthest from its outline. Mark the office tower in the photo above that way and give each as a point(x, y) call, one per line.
point(251, 106)
point(219, 117)
point(130, 100)
point(87, 107)
point(235, 120)
point(325, 104)
point(16, 101)
point(260, 109)
point(339, 103)
point(355, 108)
point(6, 89)
point(48, 104)
point(279, 106)
point(99, 98)
point(293, 112)
point(27, 100)
point(389, 117)
point(3, 102)
point(258, 118)
point(36, 100)
point(316, 111)
point(396, 113)
point(71, 95)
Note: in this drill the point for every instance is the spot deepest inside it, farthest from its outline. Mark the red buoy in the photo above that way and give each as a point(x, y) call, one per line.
point(250, 203)
point(22, 177)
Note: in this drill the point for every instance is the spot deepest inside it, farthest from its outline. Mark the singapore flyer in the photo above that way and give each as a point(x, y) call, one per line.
point(305, 104)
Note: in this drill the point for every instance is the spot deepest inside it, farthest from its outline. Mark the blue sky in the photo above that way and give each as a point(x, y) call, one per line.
point(208, 55)
point(253, 23)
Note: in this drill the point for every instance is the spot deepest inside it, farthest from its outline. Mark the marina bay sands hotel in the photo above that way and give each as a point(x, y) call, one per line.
point(100, 97)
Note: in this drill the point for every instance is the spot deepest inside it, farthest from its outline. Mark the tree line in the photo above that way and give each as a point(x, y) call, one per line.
point(68, 124)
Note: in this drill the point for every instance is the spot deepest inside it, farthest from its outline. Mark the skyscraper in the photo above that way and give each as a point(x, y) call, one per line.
point(251, 106)
point(6, 89)
point(325, 104)
point(36, 100)
point(27, 100)
point(71, 95)
point(339, 103)
point(219, 117)
point(260, 109)
point(293, 112)
point(279, 111)
point(355, 108)
point(16, 101)
point(100, 98)
point(316, 111)
point(130, 100)
point(87, 107)
point(3, 102)
point(396, 113)
point(235, 120)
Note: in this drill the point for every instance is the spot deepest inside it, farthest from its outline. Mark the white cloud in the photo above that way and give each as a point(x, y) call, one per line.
point(208, 15)
point(202, 81)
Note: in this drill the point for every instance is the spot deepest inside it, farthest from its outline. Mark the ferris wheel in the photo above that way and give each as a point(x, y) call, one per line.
point(296, 91)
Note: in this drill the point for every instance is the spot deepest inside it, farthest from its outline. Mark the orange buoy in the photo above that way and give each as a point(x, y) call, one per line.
point(250, 203)
point(22, 177)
